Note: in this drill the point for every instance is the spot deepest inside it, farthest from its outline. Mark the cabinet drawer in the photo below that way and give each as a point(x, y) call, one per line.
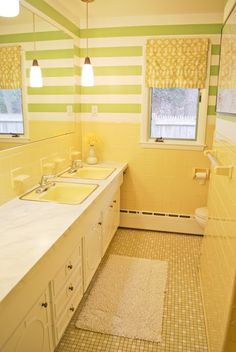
point(73, 287)
point(67, 315)
point(66, 270)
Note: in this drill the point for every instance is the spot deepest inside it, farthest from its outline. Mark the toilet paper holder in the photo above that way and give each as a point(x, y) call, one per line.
point(201, 175)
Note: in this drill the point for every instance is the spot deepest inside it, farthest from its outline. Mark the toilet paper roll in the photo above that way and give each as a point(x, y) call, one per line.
point(201, 175)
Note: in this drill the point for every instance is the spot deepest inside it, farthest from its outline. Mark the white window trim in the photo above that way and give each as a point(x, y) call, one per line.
point(21, 138)
point(199, 143)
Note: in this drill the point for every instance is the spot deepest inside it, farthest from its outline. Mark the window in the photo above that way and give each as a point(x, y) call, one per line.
point(13, 119)
point(166, 121)
point(11, 113)
point(177, 74)
point(174, 113)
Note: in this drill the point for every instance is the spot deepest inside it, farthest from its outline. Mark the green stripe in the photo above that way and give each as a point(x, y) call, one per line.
point(54, 15)
point(55, 72)
point(30, 37)
point(50, 54)
point(213, 90)
point(49, 90)
point(77, 50)
point(131, 31)
point(113, 108)
point(113, 51)
point(118, 70)
point(231, 118)
point(215, 49)
point(214, 70)
point(211, 110)
point(114, 89)
point(78, 70)
point(77, 108)
point(48, 107)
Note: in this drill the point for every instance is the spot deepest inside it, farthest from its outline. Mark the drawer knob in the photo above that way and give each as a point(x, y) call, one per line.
point(114, 201)
point(72, 309)
point(71, 288)
point(70, 266)
point(100, 223)
point(44, 304)
point(111, 206)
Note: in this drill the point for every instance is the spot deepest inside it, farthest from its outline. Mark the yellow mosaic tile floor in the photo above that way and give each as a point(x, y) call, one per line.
point(183, 318)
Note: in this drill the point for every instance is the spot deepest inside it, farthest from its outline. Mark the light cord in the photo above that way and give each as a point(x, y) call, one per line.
point(34, 32)
point(87, 28)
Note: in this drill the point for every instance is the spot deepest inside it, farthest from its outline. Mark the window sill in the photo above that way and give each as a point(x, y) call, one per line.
point(173, 145)
point(10, 139)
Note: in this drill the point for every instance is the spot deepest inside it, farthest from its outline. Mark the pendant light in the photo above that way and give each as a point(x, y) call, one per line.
point(36, 79)
point(87, 76)
point(9, 8)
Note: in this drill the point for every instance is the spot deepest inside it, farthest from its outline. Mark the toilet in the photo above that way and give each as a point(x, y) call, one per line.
point(201, 216)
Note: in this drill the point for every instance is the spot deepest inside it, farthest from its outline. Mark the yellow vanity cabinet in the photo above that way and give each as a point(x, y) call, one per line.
point(29, 322)
point(35, 331)
point(36, 311)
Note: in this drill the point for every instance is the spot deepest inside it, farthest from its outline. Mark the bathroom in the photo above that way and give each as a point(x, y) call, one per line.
point(161, 188)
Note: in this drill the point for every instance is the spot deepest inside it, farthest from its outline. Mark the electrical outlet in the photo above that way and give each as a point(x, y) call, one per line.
point(69, 109)
point(94, 110)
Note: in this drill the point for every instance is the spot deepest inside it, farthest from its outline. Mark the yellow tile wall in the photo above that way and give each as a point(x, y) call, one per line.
point(218, 260)
point(27, 158)
point(157, 179)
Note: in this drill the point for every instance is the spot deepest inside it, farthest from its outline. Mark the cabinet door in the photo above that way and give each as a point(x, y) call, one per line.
point(107, 227)
point(92, 251)
point(115, 213)
point(111, 220)
point(35, 331)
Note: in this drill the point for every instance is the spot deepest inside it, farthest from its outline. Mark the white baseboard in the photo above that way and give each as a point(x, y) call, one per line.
point(168, 222)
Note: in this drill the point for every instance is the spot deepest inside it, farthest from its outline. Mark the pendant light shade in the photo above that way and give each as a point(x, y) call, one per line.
point(36, 79)
point(87, 75)
point(9, 8)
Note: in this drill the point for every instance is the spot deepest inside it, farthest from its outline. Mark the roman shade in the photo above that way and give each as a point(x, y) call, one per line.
point(10, 67)
point(176, 62)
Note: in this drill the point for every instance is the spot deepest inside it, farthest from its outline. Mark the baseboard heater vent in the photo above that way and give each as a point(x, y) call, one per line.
point(159, 221)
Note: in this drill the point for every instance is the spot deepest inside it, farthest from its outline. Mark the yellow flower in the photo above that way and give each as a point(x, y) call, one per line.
point(92, 139)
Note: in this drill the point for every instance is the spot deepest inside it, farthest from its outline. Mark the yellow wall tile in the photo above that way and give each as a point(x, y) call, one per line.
point(156, 179)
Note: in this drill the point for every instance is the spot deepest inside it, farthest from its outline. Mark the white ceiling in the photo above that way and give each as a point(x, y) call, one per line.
point(75, 9)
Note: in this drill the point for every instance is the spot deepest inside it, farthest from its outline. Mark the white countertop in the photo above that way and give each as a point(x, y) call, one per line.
point(30, 228)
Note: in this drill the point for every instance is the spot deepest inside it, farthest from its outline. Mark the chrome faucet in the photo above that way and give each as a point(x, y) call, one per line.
point(45, 183)
point(76, 164)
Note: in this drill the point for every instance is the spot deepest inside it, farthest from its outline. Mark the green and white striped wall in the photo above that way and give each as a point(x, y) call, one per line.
point(117, 55)
point(55, 54)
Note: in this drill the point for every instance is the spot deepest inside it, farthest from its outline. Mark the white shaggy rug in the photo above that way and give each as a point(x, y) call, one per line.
point(127, 299)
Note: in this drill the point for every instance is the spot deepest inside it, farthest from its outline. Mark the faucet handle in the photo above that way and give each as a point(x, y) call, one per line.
point(77, 163)
point(46, 178)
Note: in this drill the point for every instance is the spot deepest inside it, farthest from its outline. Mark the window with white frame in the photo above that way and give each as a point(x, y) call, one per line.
point(12, 93)
point(11, 112)
point(176, 96)
point(174, 113)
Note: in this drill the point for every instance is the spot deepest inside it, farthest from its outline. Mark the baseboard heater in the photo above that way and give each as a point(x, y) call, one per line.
point(158, 221)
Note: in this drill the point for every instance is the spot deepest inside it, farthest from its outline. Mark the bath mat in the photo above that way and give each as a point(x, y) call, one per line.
point(127, 299)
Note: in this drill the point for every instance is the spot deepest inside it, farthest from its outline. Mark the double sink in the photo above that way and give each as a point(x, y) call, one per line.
point(70, 192)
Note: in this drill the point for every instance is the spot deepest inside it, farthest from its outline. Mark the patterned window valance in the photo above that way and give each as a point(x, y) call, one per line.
point(176, 62)
point(10, 67)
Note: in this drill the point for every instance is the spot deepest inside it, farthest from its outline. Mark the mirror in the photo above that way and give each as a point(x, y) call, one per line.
point(48, 111)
